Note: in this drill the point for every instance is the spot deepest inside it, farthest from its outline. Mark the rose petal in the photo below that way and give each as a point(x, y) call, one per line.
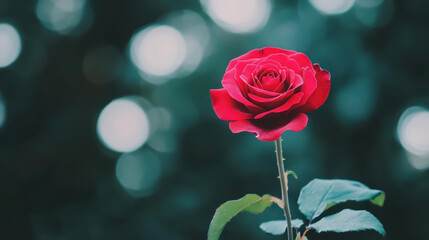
point(263, 67)
point(256, 81)
point(266, 64)
point(284, 61)
point(270, 102)
point(294, 99)
point(259, 91)
point(247, 71)
point(245, 68)
point(267, 69)
point(258, 53)
point(236, 88)
point(321, 93)
point(295, 80)
point(270, 129)
point(309, 84)
point(270, 83)
point(226, 108)
point(284, 81)
point(301, 59)
point(266, 51)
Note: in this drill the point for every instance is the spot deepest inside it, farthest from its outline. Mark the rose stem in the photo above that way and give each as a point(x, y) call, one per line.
point(283, 183)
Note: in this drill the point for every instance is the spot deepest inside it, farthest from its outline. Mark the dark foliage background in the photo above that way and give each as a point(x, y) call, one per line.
point(58, 181)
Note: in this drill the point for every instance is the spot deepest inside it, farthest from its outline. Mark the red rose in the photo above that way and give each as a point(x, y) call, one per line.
point(268, 91)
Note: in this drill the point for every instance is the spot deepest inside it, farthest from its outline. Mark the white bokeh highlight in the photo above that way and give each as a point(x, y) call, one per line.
point(332, 7)
point(10, 44)
point(157, 50)
point(413, 130)
point(123, 126)
point(238, 16)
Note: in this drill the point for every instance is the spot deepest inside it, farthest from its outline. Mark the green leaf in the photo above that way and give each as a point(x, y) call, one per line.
point(250, 203)
point(278, 227)
point(379, 200)
point(259, 206)
point(320, 194)
point(293, 174)
point(348, 220)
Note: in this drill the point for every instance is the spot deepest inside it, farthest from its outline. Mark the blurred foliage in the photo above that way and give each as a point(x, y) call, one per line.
point(58, 180)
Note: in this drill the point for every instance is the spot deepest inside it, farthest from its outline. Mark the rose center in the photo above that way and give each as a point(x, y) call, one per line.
point(269, 80)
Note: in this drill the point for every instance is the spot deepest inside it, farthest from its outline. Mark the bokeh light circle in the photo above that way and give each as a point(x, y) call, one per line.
point(157, 50)
point(196, 34)
point(413, 130)
point(10, 44)
point(123, 125)
point(375, 13)
point(61, 16)
point(238, 16)
point(138, 172)
point(331, 7)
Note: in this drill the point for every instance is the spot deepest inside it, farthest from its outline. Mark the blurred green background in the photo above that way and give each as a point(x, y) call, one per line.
point(107, 129)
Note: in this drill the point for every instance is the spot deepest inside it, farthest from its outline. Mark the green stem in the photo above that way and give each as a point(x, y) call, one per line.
point(283, 183)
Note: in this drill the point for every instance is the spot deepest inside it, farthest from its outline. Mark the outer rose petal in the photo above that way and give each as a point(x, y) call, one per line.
point(226, 108)
point(322, 91)
point(258, 53)
point(270, 129)
point(301, 59)
point(309, 85)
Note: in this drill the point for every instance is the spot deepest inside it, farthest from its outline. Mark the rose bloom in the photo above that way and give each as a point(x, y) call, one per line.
point(268, 91)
